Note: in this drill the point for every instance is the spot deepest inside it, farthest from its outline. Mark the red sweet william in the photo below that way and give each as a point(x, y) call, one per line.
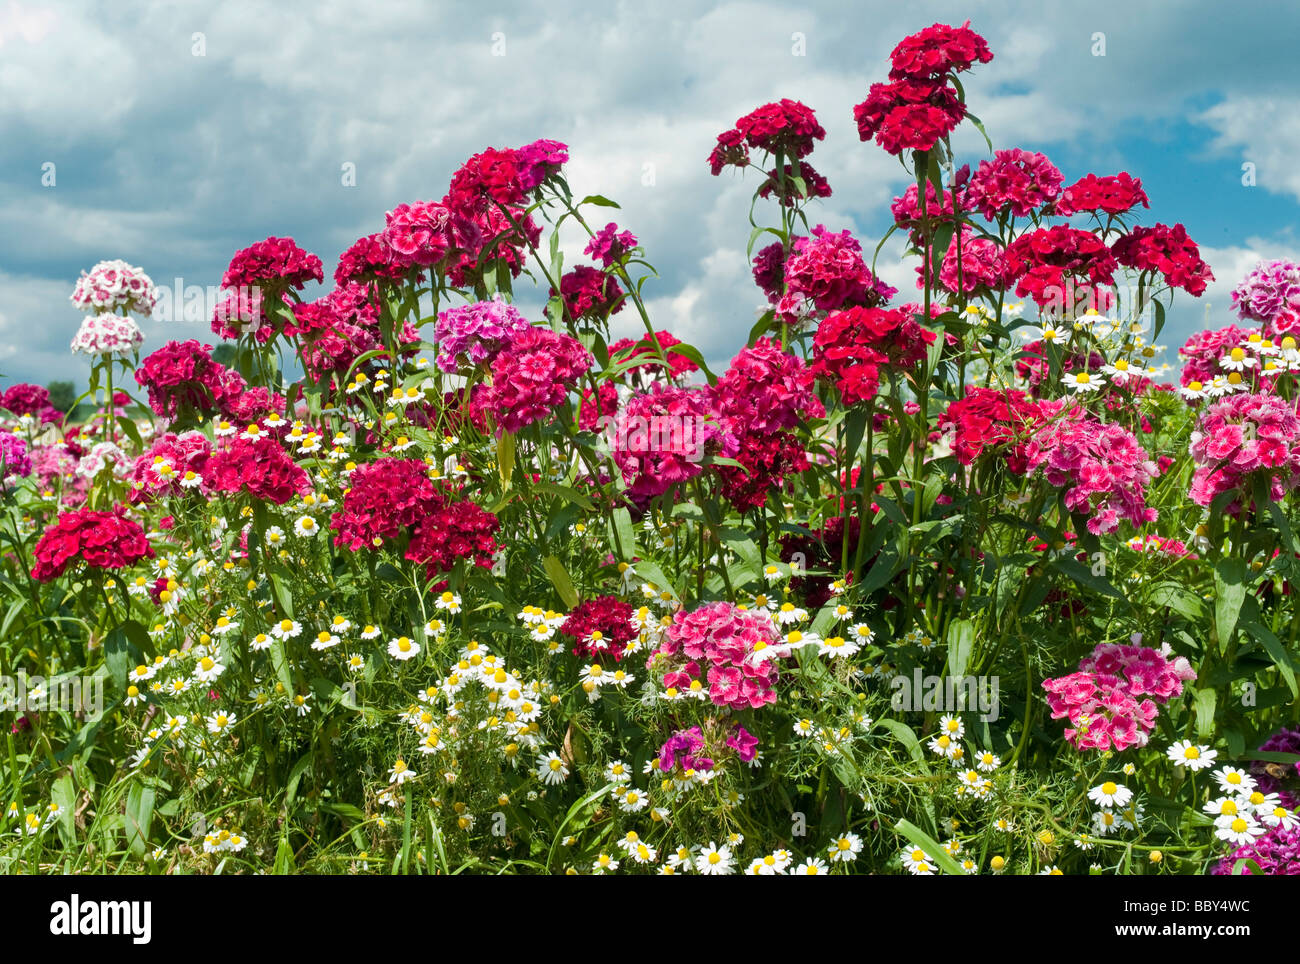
point(384, 497)
point(1112, 195)
point(459, 530)
point(852, 347)
point(259, 467)
point(102, 540)
point(938, 50)
point(1166, 250)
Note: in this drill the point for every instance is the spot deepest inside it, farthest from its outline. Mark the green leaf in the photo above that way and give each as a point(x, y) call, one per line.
point(598, 200)
point(560, 579)
point(693, 353)
point(932, 849)
point(961, 642)
point(295, 777)
point(1083, 575)
point(1276, 650)
point(1205, 704)
point(139, 817)
point(283, 865)
point(903, 733)
point(506, 458)
point(1229, 592)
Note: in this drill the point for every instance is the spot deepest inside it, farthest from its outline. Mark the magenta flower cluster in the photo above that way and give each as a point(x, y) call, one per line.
point(475, 333)
point(1241, 438)
point(1103, 700)
point(720, 645)
point(531, 376)
point(1101, 468)
point(1270, 294)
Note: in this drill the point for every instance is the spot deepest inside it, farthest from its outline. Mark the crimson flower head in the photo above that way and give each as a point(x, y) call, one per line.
point(938, 50)
point(1168, 251)
point(785, 127)
point(276, 263)
point(101, 540)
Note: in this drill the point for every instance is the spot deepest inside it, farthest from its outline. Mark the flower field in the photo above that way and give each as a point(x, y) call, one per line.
point(980, 577)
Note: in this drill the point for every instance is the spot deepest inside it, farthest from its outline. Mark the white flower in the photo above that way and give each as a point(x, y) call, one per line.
point(403, 648)
point(220, 722)
point(1110, 794)
point(306, 527)
point(845, 849)
point(551, 769)
point(714, 860)
point(1189, 755)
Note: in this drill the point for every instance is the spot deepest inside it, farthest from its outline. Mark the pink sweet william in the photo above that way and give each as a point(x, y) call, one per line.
point(1101, 468)
point(531, 377)
point(1103, 699)
point(1241, 439)
point(721, 646)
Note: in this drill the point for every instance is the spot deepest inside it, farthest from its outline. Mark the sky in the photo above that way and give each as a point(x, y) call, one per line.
point(180, 132)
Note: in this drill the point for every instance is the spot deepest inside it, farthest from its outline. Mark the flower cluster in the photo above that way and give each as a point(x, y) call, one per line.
point(610, 246)
point(589, 293)
point(1168, 251)
point(259, 467)
point(1114, 195)
point(828, 270)
point(1101, 468)
point(853, 349)
point(102, 540)
point(990, 420)
point(531, 377)
point(385, 498)
point(14, 460)
point(275, 264)
point(1270, 294)
point(722, 647)
point(1052, 264)
point(600, 627)
point(786, 128)
point(662, 436)
point(107, 334)
point(1101, 700)
point(1015, 182)
point(181, 378)
point(457, 530)
point(475, 333)
point(626, 350)
point(917, 109)
point(27, 399)
point(1243, 438)
point(111, 285)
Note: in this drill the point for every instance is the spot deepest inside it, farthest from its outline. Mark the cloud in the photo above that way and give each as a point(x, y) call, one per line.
point(173, 161)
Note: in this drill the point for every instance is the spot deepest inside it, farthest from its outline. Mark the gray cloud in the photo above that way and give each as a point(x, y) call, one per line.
point(173, 161)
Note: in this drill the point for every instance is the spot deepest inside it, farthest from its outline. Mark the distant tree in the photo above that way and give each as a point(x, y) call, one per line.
point(224, 354)
point(63, 395)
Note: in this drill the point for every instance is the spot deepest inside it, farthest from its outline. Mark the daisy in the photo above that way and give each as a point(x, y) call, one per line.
point(1233, 780)
point(845, 849)
point(306, 527)
point(403, 648)
point(324, 640)
point(448, 601)
point(1187, 754)
point(356, 663)
point(1241, 829)
point(1082, 382)
point(207, 669)
point(986, 761)
point(604, 864)
point(812, 867)
point(551, 769)
point(714, 860)
point(370, 632)
point(952, 726)
point(1110, 794)
point(220, 722)
point(301, 702)
point(286, 629)
point(400, 772)
point(259, 642)
point(1237, 360)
